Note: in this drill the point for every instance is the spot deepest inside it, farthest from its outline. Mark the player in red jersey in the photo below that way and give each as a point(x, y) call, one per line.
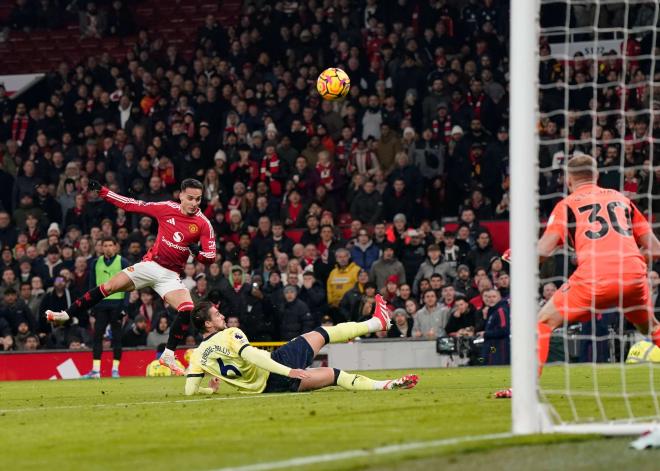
point(612, 240)
point(182, 230)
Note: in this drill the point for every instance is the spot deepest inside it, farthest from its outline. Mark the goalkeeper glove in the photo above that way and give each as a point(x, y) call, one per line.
point(194, 249)
point(506, 256)
point(93, 185)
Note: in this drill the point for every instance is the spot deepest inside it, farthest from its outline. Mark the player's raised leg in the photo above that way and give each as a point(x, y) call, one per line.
point(349, 330)
point(181, 299)
point(324, 377)
point(118, 283)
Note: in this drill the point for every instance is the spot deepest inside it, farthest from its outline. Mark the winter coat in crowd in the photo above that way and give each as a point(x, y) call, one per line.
point(412, 257)
point(497, 344)
point(314, 297)
point(429, 158)
point(295, 320)
point(382, 269)
point(349, 307)
point(365, 255)
point(367, 207)
point(428, 268)
point(256, 320)
point(340, 281)
point(479, 257)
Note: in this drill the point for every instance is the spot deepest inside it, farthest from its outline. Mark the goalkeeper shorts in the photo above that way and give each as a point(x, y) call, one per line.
point(577, 299)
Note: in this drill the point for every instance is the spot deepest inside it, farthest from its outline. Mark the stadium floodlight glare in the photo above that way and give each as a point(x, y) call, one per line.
point(594, 36)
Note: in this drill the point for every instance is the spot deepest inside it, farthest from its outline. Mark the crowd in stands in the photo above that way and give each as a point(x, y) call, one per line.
point(317, 205)
point(96, 18)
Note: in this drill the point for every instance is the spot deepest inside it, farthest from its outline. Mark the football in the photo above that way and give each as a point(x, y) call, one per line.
point(333, 84)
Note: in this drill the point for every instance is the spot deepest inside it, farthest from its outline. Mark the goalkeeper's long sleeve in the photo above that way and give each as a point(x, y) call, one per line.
point(262, 359)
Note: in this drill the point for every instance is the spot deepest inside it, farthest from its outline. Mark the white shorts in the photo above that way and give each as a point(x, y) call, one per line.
point(152, 275)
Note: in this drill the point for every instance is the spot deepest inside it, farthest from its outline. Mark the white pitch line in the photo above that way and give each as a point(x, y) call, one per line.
point(148, 403)
point(361, 453)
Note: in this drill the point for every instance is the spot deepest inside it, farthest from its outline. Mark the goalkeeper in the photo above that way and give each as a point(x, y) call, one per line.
point(226, 355)
point(611, 239)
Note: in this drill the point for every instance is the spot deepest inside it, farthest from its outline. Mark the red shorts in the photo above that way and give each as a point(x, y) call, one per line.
point(577, 299)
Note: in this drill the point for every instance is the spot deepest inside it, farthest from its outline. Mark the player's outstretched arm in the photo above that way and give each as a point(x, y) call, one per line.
point(547, 245)
point(262, 359)
point(193, 382)
point(128, 204)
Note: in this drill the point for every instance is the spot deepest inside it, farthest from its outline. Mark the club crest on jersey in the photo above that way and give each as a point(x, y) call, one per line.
point(238, 336)
point(193, 228)
point(178, 237)
point(131, 268)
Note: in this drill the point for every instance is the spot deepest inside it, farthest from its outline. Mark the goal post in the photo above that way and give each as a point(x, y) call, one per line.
point(590, 69)
point(523, 160)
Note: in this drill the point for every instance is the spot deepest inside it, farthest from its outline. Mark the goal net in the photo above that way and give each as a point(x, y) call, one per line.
point(597, 92)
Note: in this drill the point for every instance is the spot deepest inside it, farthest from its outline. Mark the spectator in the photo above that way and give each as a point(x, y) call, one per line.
point(431, 319)
point(135, 334)
point(367, 204)
point(350, 302)
point(15, 312)
point(497, 331)
point(462, 319)
point(254, 314)
point(433, 264)
point(413, 253)
point(341, 278)
point(296, 318)
point(312, 293)
point(385, 267)
point(92, 22)
point(160, 333)
point(402, 326)
point(482, 254)
point(364, 252)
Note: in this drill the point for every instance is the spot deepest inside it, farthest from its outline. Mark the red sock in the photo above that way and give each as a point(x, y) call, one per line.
point(544, 332)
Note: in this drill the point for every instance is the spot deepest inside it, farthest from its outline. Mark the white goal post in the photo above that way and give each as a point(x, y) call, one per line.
point(532, 411)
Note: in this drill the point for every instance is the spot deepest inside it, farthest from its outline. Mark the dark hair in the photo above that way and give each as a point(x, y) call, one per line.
point(109, 239)
point(191, 183)
point(200, 314)
point(53, 249)
point(10, 290)
point(437, 275)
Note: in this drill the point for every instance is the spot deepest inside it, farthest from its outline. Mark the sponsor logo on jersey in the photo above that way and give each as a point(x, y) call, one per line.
point(238, 336)
point(193, 228)
point(172, 221)
point(178, 237)
point(173, 245)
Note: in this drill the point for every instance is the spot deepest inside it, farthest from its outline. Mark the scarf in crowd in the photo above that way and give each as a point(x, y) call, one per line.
point(270, 166)
point(325, 174)
point(475, 103)
point(19, 127)
point(442, 129)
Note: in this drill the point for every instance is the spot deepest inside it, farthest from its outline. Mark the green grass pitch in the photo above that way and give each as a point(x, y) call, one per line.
point(140, 424)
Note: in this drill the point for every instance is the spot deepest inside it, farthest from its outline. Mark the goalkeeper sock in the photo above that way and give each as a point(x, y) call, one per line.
point(115, 365)
point(347, 330)
point(353, 382)
point(88, 300)
point(180, 325)
point(96, 365)
point(544, 332)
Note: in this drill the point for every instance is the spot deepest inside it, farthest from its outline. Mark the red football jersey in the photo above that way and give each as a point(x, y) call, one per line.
point(176, 231)
point(603, 226)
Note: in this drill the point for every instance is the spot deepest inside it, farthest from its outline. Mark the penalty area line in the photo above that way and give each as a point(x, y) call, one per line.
point(361, 453)
point(148, 403)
